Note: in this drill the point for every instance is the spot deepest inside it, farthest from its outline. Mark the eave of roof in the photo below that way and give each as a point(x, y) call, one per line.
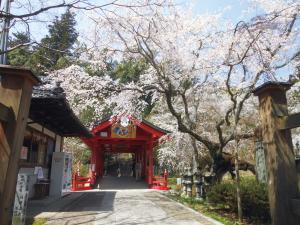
point(272, 84)
point(51, 109)
point(107, 118)
point(155, 127)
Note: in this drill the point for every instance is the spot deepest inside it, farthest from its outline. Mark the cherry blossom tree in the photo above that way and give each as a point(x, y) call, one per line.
point(188, 54)
point(202, 68)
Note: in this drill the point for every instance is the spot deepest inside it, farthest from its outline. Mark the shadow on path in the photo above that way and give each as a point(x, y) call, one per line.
point(120, 183)
point(87, 201)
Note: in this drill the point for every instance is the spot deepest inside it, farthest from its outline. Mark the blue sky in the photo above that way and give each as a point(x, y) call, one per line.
point(234, 13)
point(234, 8)
point(203, 6)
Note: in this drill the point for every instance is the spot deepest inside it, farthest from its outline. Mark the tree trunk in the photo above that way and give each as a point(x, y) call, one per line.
point(238, 189)
point(226, 163)
point(195, 155)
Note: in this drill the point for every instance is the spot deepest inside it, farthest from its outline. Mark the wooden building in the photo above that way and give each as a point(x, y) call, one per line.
point(50, 120)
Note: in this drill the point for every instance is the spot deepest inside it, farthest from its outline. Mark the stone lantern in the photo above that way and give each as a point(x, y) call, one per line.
point(189, 182)
point(184, 177)
point(207, 180)
point(199, 184)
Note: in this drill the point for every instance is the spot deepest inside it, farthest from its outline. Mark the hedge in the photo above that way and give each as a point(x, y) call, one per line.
point(254, 196)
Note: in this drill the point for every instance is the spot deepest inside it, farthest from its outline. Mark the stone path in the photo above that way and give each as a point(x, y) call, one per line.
point(126, 207)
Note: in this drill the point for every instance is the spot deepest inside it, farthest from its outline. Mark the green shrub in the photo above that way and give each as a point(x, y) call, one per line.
point(254, 196)
point(172, 180)
point(84, 170)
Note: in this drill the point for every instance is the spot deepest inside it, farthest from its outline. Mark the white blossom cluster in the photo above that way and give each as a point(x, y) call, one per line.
point(198, 66)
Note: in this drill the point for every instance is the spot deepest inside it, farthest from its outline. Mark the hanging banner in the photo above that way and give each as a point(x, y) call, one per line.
point(24, 153)
point(21, 198)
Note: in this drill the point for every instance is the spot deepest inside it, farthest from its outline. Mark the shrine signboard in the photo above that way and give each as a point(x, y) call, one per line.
point(21, 198)
point(120, 131)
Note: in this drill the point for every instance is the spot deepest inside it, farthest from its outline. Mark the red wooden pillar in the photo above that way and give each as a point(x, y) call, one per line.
point(145, 161)
point(97, 163)
point(101, 159)
point(93, 164)
point(142, 156)
point(150, 161)
point(93, 160)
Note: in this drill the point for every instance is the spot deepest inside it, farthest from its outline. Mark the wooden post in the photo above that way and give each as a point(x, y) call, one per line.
point(15, 94)
point(143, 161)
point(280, 159)
point(146, 161)
point(150, 167)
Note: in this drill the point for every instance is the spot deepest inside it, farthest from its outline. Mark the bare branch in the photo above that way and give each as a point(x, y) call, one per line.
point(61, 5)
point(17, 46)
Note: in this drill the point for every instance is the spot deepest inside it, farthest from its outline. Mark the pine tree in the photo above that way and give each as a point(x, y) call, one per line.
point(130, 70)
point(19, 56)
point(62, 36)
point(55, 50)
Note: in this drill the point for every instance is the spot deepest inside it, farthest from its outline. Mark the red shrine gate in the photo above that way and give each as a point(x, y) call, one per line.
point(129, 136)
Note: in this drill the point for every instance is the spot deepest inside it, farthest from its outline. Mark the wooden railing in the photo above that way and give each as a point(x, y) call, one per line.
point(160, 183)
point(80, 183)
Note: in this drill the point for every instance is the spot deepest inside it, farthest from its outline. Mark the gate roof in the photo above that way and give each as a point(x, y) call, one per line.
point(103, 138)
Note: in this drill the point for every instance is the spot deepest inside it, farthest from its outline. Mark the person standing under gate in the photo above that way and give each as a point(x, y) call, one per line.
point(119, 172)
point(133, 168)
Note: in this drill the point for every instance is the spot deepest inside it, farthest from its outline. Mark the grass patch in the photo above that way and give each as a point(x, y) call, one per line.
point(35, 221)
point(206, 209)
point(172, 180)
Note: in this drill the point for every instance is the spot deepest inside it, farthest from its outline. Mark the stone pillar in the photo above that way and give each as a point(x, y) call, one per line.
point(280, 159)
point(183, 182)
point(15, 94)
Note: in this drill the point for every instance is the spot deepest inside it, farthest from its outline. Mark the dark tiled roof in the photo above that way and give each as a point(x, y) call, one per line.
point(272, 84)
point(50, 108)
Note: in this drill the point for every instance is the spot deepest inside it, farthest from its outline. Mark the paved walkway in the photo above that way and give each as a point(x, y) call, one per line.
point(121, 183)
point(124, 207)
